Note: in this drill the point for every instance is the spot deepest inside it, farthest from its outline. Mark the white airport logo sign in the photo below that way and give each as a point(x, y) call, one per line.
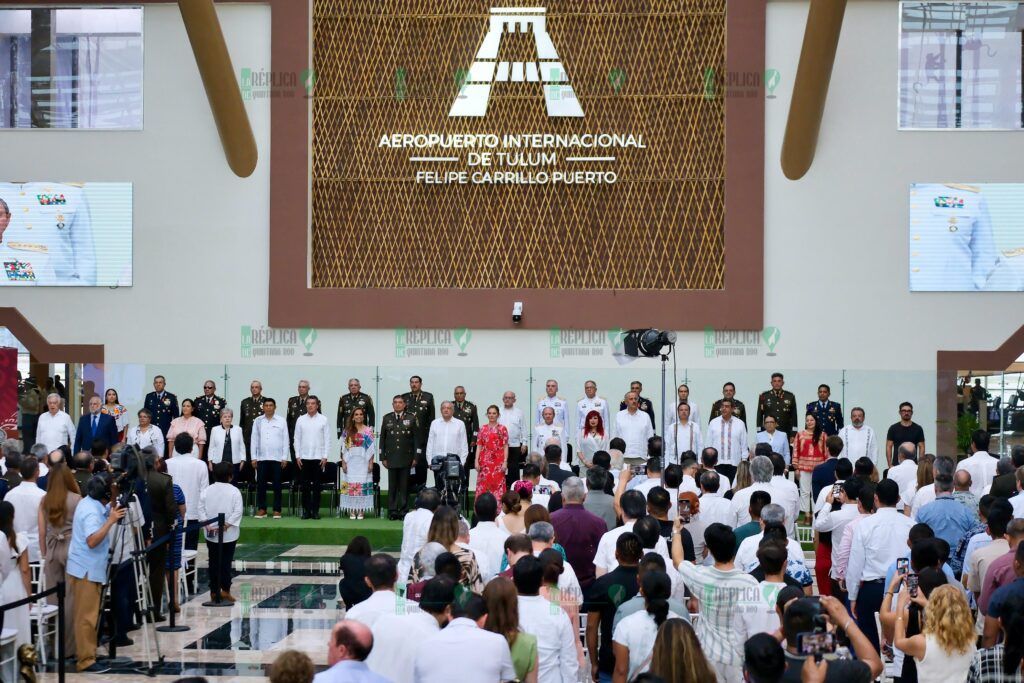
point(486, 71)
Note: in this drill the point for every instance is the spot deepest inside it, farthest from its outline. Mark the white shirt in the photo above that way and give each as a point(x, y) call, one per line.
point(1017, 502)
point(559, 405)
point(598, 403)
point(835, 521)
point(604, 558)
point(922, 497)
point(152, 437)
point(787, 494)
point(556, 647)
point(217, 498)
point(464, 652)
point(672, 411)
point(730, 438)
point(414, 536)
point(740, 503)
point(542, 432)
point(635, 430)
point(746, 555)
point(25, 498)
point(269, 440)
point(193, 477)
point(312, 437)
point(877, 541)
point(905, 474)
point(637, 632)
point(714, 508)
point(215, 449)
point(982, 467)
point(512, 419)
point(859, 443)
point(396, 638)
point(680, 438)
point(762, 616)
point(447, 436)
point(543, 496)
point(378, 604)
point(777, 440)
point(488, 539)
point(55, 430)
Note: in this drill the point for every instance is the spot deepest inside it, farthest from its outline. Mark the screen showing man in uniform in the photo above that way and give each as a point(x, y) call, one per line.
point(960, 65)
point(967, 237)
point(66, 234)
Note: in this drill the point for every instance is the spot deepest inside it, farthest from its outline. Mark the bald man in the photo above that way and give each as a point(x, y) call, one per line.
point(347, 650)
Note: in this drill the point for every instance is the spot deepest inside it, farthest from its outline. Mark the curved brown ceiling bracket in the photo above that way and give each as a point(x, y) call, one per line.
point(810, 89)
point(42, 350)
point(221, 85)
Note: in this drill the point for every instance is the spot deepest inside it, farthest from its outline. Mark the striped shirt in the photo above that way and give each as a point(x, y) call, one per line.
point(727, 600)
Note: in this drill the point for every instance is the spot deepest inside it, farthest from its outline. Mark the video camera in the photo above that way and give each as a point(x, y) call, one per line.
point(450, 466)
point(130, 473)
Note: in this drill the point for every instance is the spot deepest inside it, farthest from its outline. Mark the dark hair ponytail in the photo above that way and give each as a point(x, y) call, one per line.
point(1013, 644)
point(656, 587)
point(7, 524)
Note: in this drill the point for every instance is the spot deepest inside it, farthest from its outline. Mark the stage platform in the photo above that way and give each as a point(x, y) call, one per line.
point(291, 530)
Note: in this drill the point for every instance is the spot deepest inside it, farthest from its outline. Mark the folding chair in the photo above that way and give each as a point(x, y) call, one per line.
point(42, 615)
point(329, 481)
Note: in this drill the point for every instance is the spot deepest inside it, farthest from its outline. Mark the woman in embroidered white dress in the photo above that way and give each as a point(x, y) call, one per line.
point(358, 448)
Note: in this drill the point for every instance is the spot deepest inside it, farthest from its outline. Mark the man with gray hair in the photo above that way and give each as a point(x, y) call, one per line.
point(578, 530)
point(947, 517)
point(773, 519)
point(55, 427)
point(542, 535)
point(761, 471)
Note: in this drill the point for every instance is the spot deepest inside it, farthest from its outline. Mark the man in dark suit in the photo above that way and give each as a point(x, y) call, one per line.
point(421, 404)
point(1005, 484)
point(163, 404)
point(398, 444)
point(553, 456)
point(94, 425)
point(162, 510)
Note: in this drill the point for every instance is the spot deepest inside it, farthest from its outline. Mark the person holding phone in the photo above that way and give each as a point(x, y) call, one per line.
point(924, 582)
point(804, 616)
point(944, 649)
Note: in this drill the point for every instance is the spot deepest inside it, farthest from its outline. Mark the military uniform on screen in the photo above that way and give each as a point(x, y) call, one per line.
point(829, 415)
point(952, 242)
point(738, 409)
point(399, 447)
point(250, 409)
point(49, 235)
point(348, 403)
point(164, 406)
point(781, 405)
point(207, 409)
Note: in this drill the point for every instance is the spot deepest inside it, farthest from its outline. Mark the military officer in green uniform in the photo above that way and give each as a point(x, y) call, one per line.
point(250, 409)
point(355, 398)
point(208, 407)
point(421, 405)
point(297, 408)
point(738, 409)
point(469, 415)
point(780, 404)
point(399, 447)
point(828, 413)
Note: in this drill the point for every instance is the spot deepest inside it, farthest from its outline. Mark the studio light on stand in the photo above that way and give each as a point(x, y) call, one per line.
point(650, 343)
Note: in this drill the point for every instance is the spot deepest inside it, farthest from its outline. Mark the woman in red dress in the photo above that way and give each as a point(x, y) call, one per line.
point(808, 452)
point(491, 454)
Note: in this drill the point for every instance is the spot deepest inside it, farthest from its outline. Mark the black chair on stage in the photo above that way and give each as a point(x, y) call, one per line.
point(375, 476)
point(330, 482)
point(290, 485)
point(246, 484)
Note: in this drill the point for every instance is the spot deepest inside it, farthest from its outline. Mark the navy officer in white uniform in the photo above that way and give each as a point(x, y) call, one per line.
point(48, 220)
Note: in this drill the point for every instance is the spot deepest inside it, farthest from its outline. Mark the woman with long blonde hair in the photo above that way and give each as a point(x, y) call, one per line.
point(743, 476)
point(945, 647)
point(678, 657)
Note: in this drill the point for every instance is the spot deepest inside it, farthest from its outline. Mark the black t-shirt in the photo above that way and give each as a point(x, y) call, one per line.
point(839, 670)
point(899, 434)
point(604, 596)
point(666, 533)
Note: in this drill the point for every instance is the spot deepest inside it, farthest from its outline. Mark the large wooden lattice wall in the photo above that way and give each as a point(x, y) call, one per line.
point(637, 66)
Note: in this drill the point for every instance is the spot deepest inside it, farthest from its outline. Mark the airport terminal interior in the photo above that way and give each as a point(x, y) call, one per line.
point(289, 285)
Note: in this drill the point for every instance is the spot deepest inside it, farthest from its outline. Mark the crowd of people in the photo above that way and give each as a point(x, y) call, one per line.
point(670, 557)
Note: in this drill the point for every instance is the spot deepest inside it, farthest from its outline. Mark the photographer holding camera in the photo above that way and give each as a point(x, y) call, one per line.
point(807, 618)
point(87, 565)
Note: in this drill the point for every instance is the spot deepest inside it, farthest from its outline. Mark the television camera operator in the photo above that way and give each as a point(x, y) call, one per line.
point(88, 554)
point(127, 488)
point(162, 513)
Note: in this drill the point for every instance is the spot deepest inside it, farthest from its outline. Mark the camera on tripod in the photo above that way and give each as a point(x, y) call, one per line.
point(447, 465)
point(130, 474)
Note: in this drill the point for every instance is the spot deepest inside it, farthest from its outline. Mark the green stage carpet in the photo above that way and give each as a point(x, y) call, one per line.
point(323, 531)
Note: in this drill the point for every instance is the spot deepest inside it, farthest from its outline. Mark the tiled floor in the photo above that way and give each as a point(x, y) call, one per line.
point(286, 599)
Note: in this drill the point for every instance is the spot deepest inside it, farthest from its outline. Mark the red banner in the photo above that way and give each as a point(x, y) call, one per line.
point(9, 390)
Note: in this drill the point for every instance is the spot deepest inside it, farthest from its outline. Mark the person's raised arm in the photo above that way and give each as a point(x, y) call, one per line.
point(624, 476)
point(913, 646)
point(861, 645)
point(95, 538)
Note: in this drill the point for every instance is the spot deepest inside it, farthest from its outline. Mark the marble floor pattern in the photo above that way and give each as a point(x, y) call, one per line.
point(286, 599)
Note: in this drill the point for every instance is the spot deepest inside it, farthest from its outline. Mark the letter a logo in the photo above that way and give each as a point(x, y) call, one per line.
point(486, 71)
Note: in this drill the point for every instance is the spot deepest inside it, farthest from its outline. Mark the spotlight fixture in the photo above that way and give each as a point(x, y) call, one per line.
point(649, 343)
